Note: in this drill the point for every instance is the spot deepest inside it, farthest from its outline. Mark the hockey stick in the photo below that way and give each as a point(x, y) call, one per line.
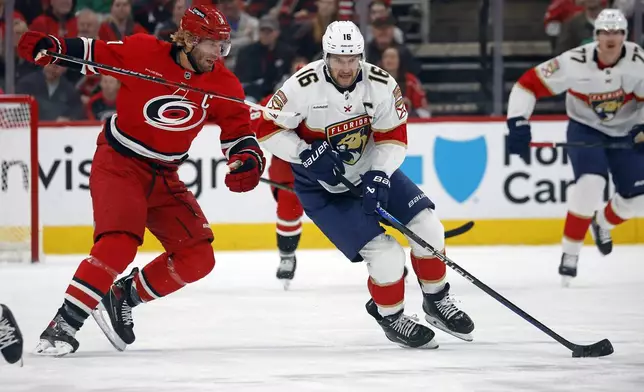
point(464, 228)
point(599, 349)
point(582, 145)
point(166, 82)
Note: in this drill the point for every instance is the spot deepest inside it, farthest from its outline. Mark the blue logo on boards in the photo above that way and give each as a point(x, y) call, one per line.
point(412, 166)
point(460, 165)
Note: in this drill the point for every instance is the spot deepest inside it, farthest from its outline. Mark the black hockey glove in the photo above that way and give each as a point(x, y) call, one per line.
point(375, 191)
point(321, 161)
point(519, 138)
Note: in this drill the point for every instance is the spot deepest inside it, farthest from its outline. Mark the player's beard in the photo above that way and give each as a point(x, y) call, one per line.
point(205, 61)
point(345, 79)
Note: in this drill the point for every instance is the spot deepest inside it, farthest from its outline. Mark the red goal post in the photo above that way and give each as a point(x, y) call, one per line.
point(20, 233)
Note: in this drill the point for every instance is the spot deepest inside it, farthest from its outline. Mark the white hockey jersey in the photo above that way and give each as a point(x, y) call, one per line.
point(366, 125)
point(607, 99)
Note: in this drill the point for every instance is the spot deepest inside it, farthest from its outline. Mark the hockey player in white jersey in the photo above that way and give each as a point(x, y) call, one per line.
point(353, 121)
point(604, 85)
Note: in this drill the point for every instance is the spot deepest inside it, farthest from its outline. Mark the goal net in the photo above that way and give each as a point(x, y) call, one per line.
point(19, 223)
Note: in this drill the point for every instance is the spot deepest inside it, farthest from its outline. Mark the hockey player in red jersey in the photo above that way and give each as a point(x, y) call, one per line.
point(289, 208)
point(134, 182)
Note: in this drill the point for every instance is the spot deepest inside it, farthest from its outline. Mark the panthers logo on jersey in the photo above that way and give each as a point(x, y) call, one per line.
point(606, 105)
point(350, 138)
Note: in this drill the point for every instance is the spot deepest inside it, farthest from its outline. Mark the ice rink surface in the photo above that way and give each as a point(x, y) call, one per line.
point(238, 330)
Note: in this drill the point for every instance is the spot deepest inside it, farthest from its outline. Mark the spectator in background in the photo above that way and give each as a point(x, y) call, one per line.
point(22, 66)
point(259, 8)
point(383, 38)
point(308, 38)
point(628, 7)
point(261, 65)
point(244, 28)
point(101, 7)
point(87, 23)
point(410, 86)
point(16, 16)
point(578, 30)
point(119, 23)
point(103, 104)
point(170, 26)
point(58, 20)
point(378, 9)
point(558, 12)
point(150, 13)
point(30, 9)
point(88, 26)
point(57, 98)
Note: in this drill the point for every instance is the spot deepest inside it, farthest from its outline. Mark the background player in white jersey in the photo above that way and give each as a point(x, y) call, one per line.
point(353, 120)
point(604, 81)
point(10, 336)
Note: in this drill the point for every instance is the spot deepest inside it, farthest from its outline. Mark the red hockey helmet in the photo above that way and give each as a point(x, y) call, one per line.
point(207, 22)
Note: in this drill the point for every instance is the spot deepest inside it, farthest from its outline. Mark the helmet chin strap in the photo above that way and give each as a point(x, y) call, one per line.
point(192, 60)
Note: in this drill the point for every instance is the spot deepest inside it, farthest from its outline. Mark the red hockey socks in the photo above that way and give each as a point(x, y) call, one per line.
point(609, 218)
point(94, 276)
point(430, 271)
point(390, 297)
point(574, 233)
point(170, 272)
point(289, 222)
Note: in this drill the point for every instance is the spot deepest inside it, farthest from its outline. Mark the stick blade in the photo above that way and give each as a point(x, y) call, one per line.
point(599, 349)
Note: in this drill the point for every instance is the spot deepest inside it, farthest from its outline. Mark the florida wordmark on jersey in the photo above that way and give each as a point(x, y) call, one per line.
point(365, 123)
point(608, 99)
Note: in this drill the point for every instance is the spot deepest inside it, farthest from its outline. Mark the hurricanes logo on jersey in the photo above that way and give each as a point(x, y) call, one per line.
point(350, 138)
point(173, 113)
point(606, 105)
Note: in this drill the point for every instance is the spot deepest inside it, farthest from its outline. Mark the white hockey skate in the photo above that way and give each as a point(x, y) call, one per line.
point(568, 268)
point(286, 270)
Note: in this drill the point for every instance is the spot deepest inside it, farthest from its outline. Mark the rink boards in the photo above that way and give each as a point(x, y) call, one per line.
point(462, 165)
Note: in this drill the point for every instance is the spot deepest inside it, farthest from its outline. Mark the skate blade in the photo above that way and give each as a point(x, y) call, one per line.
point(102, 320)
point(286, 283)
point(438, 324)
point(431, 345)
point(565, 281)
point(46, 349)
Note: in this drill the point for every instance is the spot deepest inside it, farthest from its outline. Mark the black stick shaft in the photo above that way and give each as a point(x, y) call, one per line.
point(461, 271)
point(582, 145)
point(154, 79)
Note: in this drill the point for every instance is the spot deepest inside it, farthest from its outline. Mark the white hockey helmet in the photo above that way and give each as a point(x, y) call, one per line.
point(344, 38)
point(611, 19)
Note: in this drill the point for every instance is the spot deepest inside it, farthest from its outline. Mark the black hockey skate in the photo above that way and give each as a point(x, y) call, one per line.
point(403, 330)
point(441, 312)
point(286, 270)
point(117, 306)
point(58, 339)
point(602, 237)
point(568, 268)
point(10, 336)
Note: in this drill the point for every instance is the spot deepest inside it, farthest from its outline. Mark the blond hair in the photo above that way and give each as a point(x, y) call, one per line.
point(184, 39)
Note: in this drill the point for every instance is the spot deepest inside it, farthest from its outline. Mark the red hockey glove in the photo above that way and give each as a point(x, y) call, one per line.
point(32, 42)
point(246, 167)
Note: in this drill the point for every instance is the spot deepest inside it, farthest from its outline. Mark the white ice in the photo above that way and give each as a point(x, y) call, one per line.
point(238, 330)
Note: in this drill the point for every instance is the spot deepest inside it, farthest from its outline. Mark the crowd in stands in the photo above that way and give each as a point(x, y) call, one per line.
point(570, 22)
point(269, 37)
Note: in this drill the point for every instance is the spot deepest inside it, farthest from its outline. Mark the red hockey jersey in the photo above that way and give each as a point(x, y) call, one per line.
point(157, 121)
